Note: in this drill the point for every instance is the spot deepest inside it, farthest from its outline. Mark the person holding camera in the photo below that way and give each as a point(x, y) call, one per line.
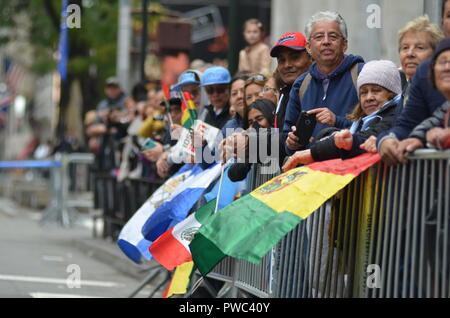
point(379, 91)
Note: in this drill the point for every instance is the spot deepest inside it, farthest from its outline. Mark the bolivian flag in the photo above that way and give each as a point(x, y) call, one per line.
point(189, 111)
point(249, 227)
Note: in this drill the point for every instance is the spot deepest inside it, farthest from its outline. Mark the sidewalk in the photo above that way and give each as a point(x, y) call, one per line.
point(24, 237)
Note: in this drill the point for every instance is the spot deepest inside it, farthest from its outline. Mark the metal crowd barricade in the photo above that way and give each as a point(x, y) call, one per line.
point(257, 279)
point(410, 231)
point(62, 206)
point(118, 201)
point(384, 235)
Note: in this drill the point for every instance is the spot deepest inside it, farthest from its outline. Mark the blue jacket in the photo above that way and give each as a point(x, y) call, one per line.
point(233, 124)
point(341, 96)
point(422, 101)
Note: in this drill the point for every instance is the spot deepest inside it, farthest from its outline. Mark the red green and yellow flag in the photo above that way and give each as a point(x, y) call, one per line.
point(189, 111)
point(249, 227)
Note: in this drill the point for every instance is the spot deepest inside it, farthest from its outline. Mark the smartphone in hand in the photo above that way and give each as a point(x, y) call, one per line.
point(305, 127)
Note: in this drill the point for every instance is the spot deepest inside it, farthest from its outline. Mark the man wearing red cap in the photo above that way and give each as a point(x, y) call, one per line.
point(293, 60)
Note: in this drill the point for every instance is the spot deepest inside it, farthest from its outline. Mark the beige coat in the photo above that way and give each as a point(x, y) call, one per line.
point(255, 60)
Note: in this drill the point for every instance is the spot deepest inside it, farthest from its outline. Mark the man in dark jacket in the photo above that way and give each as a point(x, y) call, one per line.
point(328, 88)
point(292, 61)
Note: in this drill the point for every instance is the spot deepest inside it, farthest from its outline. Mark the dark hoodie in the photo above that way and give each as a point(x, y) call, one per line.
point(340, 97)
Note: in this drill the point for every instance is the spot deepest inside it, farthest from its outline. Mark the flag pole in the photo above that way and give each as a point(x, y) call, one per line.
point(220, 187)
point(168, 111)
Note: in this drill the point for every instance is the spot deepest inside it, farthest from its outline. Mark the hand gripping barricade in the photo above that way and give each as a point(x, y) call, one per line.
point(384, 235)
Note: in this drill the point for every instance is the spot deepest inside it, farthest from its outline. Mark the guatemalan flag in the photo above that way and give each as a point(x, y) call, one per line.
point(131, 241)
point(183, 199)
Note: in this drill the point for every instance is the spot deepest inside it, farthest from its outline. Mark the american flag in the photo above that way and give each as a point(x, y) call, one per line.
point(13, 77)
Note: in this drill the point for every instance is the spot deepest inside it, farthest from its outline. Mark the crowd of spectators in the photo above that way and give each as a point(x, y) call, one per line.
point(356, 105)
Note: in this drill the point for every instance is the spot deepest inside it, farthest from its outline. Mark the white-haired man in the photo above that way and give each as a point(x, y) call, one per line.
point(328, 89)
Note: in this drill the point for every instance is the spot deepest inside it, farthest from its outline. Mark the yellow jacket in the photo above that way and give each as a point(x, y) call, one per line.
point(152, 125)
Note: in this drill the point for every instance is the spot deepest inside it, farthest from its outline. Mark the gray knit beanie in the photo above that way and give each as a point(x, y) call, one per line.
point(383, 73)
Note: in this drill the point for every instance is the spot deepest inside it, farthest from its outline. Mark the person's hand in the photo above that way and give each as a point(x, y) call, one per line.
point(344, 139)
point(153, 155)
point(292, 140)
point(393, 151)
point(226, 148)
point(300, 157)
point(370, 145)
point(175, 131)
point(234, 146)
point(439, 137)
point(407, 146)
point(388, 151)
point(162, 166)
point(444, 139)
point(324, 116)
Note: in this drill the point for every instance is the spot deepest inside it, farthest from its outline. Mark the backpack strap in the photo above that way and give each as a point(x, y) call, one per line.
point(307, 80)
point(355, 73)
point(304, 86)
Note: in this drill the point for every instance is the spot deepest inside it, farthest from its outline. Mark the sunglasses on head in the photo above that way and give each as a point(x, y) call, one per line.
point(258, 78)
point(219, 89)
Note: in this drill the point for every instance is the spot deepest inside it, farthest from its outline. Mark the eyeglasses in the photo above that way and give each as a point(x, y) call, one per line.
point(218, 89)
point(333, 37)
point(267, 89)
point(442, 63)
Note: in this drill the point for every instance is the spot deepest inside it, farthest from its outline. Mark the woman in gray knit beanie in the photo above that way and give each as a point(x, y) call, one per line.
point(380, 82)
point(379, 92)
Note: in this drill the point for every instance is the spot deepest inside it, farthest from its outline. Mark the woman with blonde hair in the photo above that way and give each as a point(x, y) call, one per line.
point(416, 43)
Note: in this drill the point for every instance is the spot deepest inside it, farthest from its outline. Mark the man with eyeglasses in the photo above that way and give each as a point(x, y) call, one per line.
point(292, 61)
point(328, 89)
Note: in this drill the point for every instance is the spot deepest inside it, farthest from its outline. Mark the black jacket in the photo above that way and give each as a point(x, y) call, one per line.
point(326, 149)
point(280, 114)
point(220, 120)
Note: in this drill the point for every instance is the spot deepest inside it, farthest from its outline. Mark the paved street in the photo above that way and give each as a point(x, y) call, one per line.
point(38, 261)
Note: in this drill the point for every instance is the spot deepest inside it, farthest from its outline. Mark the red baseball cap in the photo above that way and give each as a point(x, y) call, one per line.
point(292, 40)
